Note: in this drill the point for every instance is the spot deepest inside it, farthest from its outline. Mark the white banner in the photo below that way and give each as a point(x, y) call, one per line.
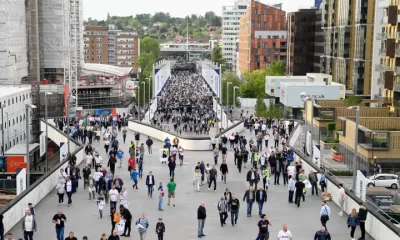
point(211, 75)
point(63, 151)
point(361, 185)
point(317, 155)
point(308, 143)
point(161, 75)
point(153, 109)
point(21, 181)
point(163, 155)
point(42, 144)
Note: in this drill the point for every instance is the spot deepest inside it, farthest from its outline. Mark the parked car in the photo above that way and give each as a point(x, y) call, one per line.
point(383, 180)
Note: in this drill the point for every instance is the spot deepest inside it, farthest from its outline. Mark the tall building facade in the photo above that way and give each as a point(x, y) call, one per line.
point(349, 29)
point(262, 36)
point(230, 31)
point(110, 46)
point(388, 57)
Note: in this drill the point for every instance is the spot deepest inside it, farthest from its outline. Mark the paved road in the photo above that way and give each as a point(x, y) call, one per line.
point(181, 221)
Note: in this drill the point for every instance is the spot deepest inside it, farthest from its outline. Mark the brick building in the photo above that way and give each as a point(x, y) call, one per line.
point(262, 36)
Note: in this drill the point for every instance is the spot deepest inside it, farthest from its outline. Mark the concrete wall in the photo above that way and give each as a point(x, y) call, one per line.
point(14, 210)
point(376, 227)
point(197, 144)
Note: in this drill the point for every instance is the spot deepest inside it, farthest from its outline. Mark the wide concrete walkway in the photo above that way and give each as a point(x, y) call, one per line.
point(181, 221)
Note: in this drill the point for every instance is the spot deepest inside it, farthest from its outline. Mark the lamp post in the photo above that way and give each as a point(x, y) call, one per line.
point(357, 108)
point(27, 132)
point(144, 95)
point(2, 127)
point(372, 161)
point(227, 102)
point(234, 95)
point(149, 79)
point(138, 102)
point(47, 125)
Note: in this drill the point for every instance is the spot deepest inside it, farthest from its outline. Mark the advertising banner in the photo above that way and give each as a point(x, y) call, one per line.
point(211, 75)
point(15, 162)
point(317, 155)
point(21, 181)
point(361, 185)
point(63, 151)
point(308, 143)
point(42, 144)
point(163, 155)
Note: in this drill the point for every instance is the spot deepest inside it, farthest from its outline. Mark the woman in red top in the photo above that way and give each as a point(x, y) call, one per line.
point(131, 163)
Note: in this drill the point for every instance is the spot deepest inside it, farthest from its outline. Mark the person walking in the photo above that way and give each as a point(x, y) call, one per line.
point(265, 174)
point(342, 195)
point(160, 197)
point(127, 216)
point(114, 236)
point(171, 191)
point(324, 213)
point(113, 196)
point(263, 224)
point(284, 234)
point(291, 188)
point(59, 220)
point(299, 191)
point(352, 221)
point(197, 180)
point(71, 236)
point(313, 178)
point(111, 163)
point(60, 192)
point(115, 219)
point(86, 173)
point(213, 178)
point(224, 171)
point(160, 229)
point(29, 225)
point(223, 210)
point(249, 197)
point(142, 224)
point(235, 206)
point(362, 214)
point(322, 234)
point(134, 178)
point(261, 198)
point(201, 218)
point(68, 189)
point(137, 138)
point(150, 184)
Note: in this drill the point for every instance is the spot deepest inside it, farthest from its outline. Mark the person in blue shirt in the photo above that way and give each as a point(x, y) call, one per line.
point(324, 213)
point(120, 156)
point(160, 196)
point(322, 182)
point(141, 168)
point(134, 177)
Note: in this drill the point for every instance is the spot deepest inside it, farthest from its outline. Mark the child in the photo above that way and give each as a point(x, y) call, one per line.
point(141, 168)
point(92, 190)
point(100, 205)
point(134, 176)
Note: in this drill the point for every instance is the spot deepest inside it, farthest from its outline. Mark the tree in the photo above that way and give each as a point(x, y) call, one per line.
point(276, 68)
point(230, 77)
point(145, 62)
point(353, 100)
point(260, 108)
point(164, 28)
point(134, 23)
point(216, 55)
point(275, 111)
point(150, 45)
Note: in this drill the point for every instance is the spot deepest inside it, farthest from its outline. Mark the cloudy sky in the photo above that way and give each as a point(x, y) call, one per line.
point(98, 9)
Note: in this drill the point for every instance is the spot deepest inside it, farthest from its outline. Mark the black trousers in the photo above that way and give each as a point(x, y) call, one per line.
point(222, 217)
point(60, 198)
point(215, 183)
point(264, 236)
point(323, 223)
point(276, 179)
point(314, 186)
point(362, 228)
point(297, 199)
point(291, 192)
point(28, 235)
point(69, 194)
point(285, 178)
point(353, 229)
point(128, 227)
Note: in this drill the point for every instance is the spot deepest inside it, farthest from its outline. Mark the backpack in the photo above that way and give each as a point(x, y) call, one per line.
point(117, 218)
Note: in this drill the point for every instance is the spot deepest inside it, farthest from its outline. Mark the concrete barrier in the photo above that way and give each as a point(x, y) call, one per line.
point(15, 210)
point(376, 225)
point(188, 143)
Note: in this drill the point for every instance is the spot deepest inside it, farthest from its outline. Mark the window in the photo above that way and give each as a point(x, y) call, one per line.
point(265, 10)
point(265, 25)
point(12, 100)
point(256, 10)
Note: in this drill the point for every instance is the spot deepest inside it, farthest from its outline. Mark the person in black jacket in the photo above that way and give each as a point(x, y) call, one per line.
point(111, 163)
point(114, 236)
point(127, 216)
point(299, 191)
point(150, 184)
point(362, 214)
point(323, 234)
point(224, 171)
point(86, 173)
point(261, 198)
point(149, 143)
point(160, 229)
point(201, 218)
point(249, 197)
point(235, 205)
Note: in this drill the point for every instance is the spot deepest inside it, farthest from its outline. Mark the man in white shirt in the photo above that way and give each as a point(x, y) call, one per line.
point(89, 159)
point(342, 194)
point(264, 129)
point(113, 195)
point(291, 187)
point(291, 169)
point(29, 225)
point(284, 234)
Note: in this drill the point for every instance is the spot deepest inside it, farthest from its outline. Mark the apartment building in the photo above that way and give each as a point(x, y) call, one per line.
point(230, 31)
point(349, 30)
point(109, 46)
point(388, 55)
point(262, 36)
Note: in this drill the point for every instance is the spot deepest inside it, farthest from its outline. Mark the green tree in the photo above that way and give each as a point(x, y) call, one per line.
point(134, 23)
point(275, 111)
point(164, 28)
point(150, 45)
point(216, 55)
point(260, 108)
point(145, 62)
point(353, 100)
point(230, 77)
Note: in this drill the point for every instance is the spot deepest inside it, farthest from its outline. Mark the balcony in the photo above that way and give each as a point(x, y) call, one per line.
point(397, 52)
point(324, 114)
point(397, 87)
point(380, 80)
point(384, 20)
point(382, 67)
point(382, 52)
point(381, 36)
point(397, 70)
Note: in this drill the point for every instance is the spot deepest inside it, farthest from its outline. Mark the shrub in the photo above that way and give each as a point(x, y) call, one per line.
point(343, 173)
point(330, 140)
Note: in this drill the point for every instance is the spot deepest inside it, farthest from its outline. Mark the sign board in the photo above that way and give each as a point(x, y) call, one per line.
point(21, 181)
point(211, 75)
point(63, 151)
point(15, 162)
point(308, 143)
point(361, 185)
point(42, 144)
point(163, 155)
point(317, 155)
point(290, 93)
point(273, 87)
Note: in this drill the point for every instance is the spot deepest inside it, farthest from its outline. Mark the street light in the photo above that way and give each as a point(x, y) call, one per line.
point(68, 122)
point(149, 79)
point(227, 102)
point(144, 94)
point(305, 98)
point(138, 102)
point(234, 95)
point(2, 127)
point(27, 132)
point(357, 108)
point(47, 125)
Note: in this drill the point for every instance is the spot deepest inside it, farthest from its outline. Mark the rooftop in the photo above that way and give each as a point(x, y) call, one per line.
point(11, 90)
point(20, 149)
point(95, 68)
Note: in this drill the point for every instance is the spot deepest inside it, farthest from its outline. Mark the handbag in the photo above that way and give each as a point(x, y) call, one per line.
point(325, 217)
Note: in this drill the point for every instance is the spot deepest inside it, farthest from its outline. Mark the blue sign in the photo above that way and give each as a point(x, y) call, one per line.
point(317, 3)
point(102, 111)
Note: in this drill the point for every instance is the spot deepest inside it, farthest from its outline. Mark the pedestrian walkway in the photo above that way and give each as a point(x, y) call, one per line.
point(181, 221)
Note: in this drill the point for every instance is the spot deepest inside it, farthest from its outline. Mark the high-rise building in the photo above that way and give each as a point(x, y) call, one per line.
point(387, 68)
point(230, 31)
point(349, 29)
point(302, 34)
point(106, 45)
point(262, 36)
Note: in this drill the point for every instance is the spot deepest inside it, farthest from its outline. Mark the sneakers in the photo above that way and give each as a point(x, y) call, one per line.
point(208, 189)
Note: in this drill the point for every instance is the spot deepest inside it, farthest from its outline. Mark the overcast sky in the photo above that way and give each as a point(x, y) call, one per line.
point(98, 9)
